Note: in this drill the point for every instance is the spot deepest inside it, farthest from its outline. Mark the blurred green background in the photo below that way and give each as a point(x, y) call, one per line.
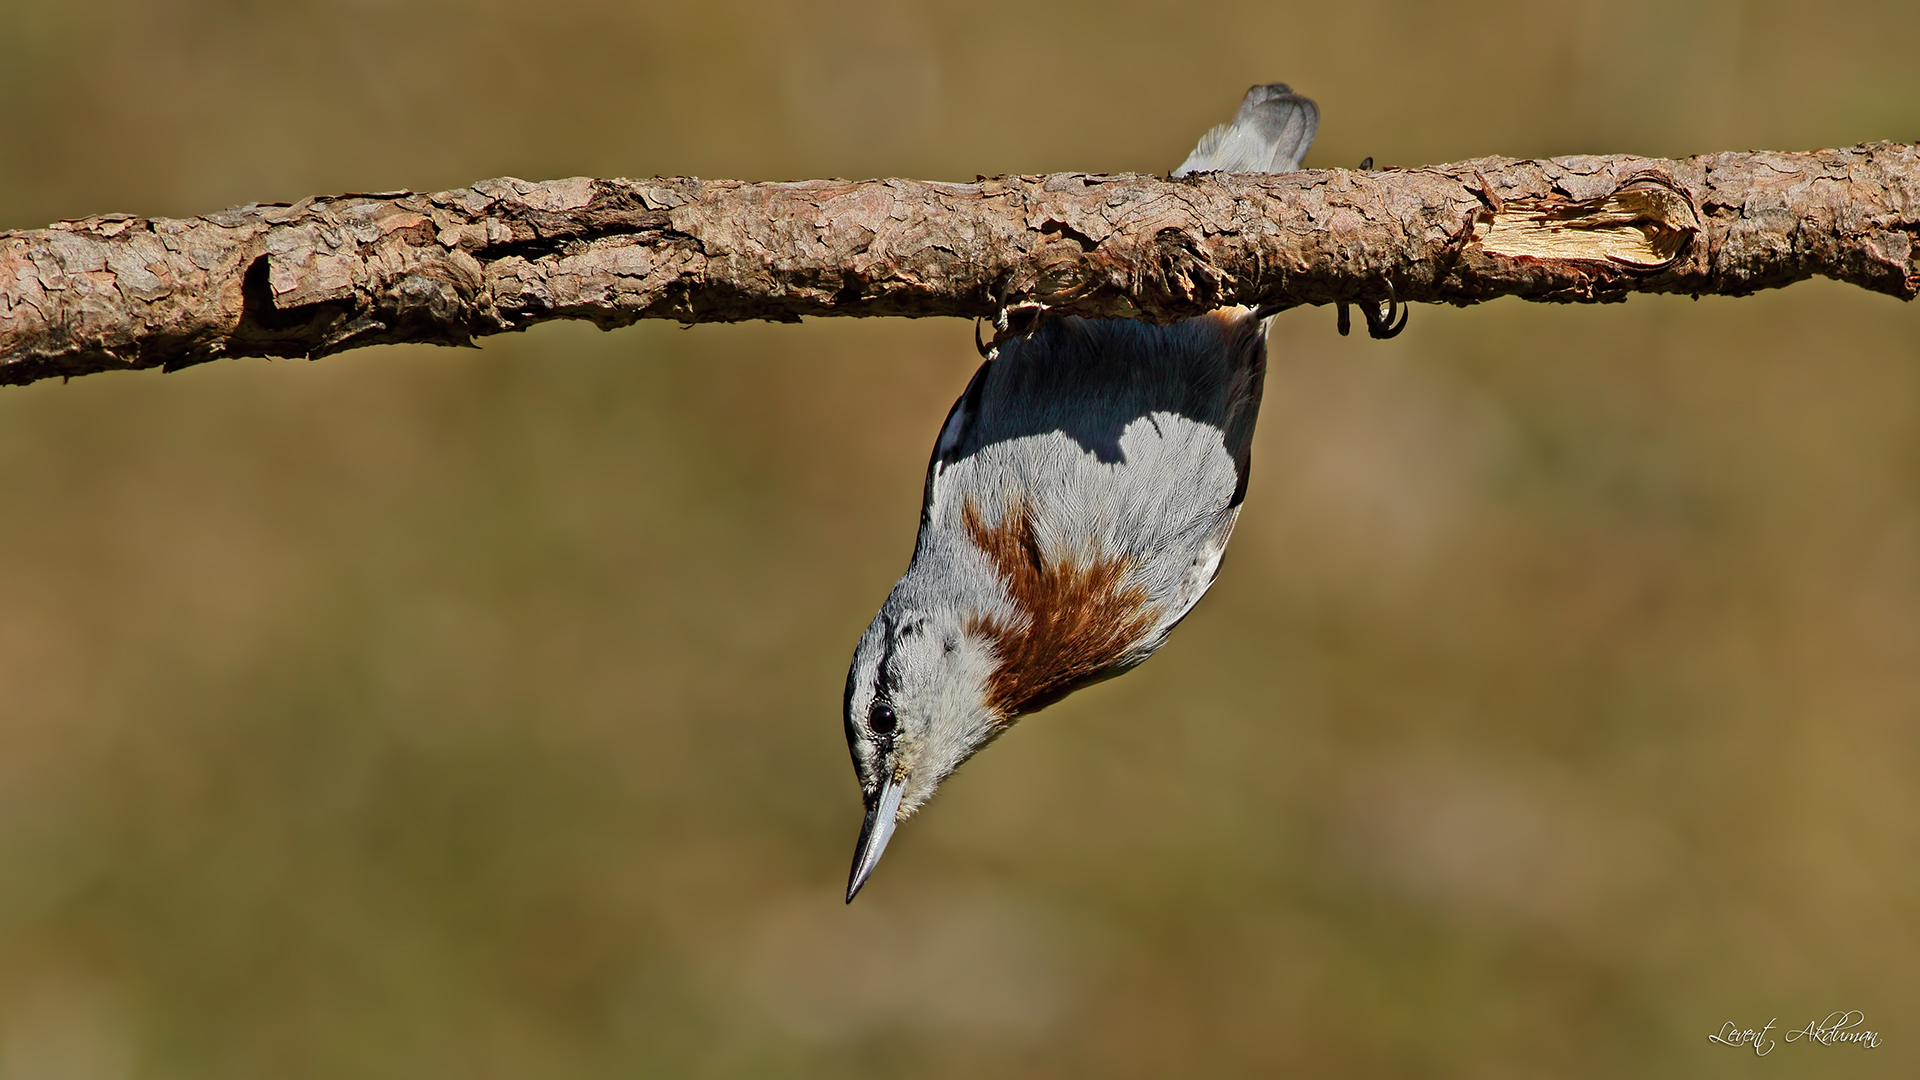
point(425, 713)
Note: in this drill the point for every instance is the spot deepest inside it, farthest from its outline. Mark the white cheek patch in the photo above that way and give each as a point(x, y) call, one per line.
point(950, 723)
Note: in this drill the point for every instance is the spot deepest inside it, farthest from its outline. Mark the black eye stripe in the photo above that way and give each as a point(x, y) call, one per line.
point(881, 720)
point(883, 673)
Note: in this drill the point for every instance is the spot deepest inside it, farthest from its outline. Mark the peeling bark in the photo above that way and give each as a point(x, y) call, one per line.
point(328, 274)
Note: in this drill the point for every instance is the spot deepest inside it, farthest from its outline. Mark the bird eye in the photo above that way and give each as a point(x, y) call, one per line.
point(880, 718)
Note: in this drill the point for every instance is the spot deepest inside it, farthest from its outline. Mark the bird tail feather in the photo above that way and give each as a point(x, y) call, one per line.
point(1270, 134)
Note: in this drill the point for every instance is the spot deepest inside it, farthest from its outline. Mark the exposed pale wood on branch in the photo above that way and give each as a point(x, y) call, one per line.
point(328, 274)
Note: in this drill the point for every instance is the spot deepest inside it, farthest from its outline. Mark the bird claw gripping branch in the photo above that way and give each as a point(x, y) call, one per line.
point(1385, 318)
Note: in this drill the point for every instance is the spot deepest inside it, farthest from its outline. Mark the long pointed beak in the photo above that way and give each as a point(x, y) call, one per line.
point(874, 834)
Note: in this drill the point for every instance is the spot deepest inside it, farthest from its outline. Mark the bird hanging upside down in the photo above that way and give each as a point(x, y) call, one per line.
point(1079, 499)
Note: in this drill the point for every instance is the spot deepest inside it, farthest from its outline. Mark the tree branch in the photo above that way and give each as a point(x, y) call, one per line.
point(329, 274)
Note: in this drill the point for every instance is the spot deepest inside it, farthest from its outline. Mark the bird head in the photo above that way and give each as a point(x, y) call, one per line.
point(918, 705)
point(980, 631)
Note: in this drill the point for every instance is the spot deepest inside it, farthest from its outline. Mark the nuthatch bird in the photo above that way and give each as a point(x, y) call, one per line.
point(1079, 499)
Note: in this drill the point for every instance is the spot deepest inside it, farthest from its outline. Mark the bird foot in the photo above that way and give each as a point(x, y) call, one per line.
point(1385, 318)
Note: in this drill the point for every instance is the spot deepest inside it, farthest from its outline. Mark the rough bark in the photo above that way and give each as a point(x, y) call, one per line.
point(327, 274)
